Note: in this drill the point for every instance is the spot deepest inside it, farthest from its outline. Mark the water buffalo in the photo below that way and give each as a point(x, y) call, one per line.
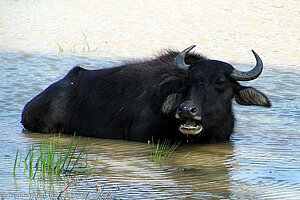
point(173, 96)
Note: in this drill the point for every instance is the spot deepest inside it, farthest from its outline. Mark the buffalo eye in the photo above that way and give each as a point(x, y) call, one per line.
point(220, 82)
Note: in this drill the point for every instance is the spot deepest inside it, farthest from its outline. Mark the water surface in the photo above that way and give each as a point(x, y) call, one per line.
point(262, 160)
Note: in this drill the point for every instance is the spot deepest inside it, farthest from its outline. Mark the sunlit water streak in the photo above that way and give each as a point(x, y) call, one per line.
point(260, 162)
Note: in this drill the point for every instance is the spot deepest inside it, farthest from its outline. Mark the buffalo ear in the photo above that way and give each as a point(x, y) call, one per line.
point(251, 96)
point(171, 103)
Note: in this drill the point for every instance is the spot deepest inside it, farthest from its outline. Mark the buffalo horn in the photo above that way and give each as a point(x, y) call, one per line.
point(179, 60)
point(250, 75)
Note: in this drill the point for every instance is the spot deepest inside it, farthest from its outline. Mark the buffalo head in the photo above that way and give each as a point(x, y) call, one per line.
point(205, 103)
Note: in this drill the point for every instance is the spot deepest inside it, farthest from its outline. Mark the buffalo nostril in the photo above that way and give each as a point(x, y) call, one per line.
point(193, 110)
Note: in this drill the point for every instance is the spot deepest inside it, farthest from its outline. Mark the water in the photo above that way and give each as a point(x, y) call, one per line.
point(262, 160)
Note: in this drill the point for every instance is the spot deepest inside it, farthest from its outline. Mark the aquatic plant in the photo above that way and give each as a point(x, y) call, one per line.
point(61, 49)
point(163, 151)
point(85, 46)
point(85, 43)
point(16, 161)
point(51, 159)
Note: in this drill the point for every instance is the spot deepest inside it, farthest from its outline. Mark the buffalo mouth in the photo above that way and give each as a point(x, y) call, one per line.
point(190, 127)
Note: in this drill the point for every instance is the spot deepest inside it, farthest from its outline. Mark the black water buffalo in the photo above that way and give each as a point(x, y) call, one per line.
point(174, 96)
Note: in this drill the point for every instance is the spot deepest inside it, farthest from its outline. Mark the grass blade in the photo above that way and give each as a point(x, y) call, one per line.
point(31, 156)
point(72, 154)
point(16, 161)
point(82, 152)
point(67, 154)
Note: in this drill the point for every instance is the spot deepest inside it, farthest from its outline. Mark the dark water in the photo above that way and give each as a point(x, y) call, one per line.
point(262, 160)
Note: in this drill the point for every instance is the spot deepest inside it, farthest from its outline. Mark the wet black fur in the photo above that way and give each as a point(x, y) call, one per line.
point(138, 100)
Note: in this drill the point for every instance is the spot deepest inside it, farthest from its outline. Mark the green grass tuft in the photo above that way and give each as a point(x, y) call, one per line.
point(162, 152)
point(50, 159)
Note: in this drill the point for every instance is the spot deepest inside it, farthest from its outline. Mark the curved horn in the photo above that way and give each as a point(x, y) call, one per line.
point(179, 60)
point(250, 75)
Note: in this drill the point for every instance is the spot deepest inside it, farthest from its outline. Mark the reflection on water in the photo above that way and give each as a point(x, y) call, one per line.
point(126, 170)
point(260, 162)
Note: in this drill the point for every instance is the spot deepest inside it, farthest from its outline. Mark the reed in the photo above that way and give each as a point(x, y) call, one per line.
point(85, 46)
point(85, 43)
point(163, 151)
point(52, 160)
point(61, 49)
point(31, 158)
point(16, 161)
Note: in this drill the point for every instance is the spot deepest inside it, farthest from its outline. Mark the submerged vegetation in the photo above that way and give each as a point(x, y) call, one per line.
point(51, 159)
